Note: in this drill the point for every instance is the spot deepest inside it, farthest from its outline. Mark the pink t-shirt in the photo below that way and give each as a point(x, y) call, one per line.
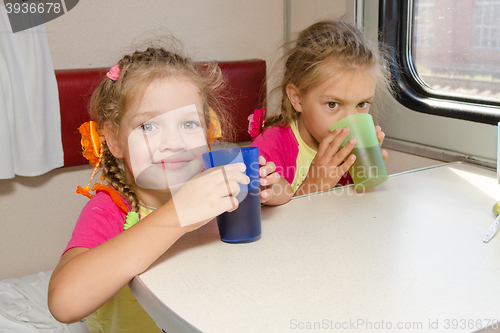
point(100, 220)
point(279, 145)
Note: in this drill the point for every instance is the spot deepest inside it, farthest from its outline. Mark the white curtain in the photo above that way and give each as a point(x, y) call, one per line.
point(30, 123)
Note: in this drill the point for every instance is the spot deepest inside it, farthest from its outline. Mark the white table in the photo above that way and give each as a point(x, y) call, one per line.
point(408, 252)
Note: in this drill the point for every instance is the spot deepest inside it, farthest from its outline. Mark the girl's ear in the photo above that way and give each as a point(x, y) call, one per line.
point(294, 96)
point(111, 135)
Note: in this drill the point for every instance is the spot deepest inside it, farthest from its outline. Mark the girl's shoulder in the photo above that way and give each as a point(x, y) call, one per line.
point(278, 144)
point(277, 141)
point(107, 193)
point(276, 133)
point(103, 206)
point(100, 220)
point(105, 199)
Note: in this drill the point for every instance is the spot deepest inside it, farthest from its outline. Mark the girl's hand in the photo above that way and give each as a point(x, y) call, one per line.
point(93, 276)
point(209, 194)
point(380, 137)
point(269, 179)
point(330, 163)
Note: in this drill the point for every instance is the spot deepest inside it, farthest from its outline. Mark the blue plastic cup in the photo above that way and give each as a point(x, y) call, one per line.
point(243, 224)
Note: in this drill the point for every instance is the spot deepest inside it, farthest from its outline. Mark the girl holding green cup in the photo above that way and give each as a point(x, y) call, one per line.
point(332, 72)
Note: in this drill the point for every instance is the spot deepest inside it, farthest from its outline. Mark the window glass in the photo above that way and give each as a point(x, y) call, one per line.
point(454, 52)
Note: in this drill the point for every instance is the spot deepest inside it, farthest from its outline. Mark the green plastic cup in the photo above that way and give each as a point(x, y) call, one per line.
point(369, 168)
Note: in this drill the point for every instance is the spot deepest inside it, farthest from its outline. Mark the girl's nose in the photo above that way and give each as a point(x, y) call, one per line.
point(172, 140)
point(350, 111)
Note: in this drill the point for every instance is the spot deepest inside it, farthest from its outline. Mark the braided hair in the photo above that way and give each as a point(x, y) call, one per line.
point(317, 48)
point(112, 98)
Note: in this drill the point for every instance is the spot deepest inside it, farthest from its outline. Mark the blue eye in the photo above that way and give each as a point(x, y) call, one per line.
point(190, 125)
point(147, 127)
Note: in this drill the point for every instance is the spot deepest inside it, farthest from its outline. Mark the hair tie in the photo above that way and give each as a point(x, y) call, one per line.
point(92, 151)
point(256, 122)
point(214, 131)
point(114, 73)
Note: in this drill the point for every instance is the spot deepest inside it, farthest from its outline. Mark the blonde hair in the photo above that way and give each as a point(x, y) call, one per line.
point(112, 98)
point(322, 50)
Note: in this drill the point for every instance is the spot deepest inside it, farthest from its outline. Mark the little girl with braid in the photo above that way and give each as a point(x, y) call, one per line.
point(154, 115)
point(331, 72)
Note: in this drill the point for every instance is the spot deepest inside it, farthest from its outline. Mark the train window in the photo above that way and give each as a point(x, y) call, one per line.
point(445, 56)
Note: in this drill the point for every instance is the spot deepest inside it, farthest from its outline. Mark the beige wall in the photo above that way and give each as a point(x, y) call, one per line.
point(38, 214)
point(304, 12)
point(96, 33)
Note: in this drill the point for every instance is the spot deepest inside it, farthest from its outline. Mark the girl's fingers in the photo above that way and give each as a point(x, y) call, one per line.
point(236, 205)
point(239, 167)
point(385, 155)
point(342, 154)
point(235, 170)
point(235, 167)
point(224, 181)
point(227, 189)
point(380, 136)
point(327, 140)
point(266, 194)
point(227, 204)
point(233, 189)
point(272, 179)
point(344, 167)
point(237, 177)
point(335, 145)
point(267, 169)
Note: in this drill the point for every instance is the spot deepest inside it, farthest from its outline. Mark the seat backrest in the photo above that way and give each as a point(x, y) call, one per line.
point(246, 90)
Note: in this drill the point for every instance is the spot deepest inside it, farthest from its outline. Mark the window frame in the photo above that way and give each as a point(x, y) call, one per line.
point(395, 29)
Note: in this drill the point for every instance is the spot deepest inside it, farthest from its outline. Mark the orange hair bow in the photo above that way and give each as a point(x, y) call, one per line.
point(214, 131)
point(92, 151)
